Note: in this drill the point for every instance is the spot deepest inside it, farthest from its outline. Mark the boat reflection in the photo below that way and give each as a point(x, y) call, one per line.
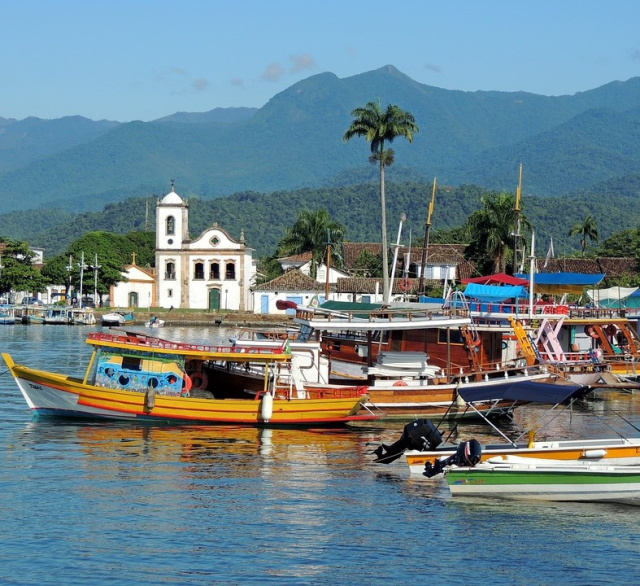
point(217, 449)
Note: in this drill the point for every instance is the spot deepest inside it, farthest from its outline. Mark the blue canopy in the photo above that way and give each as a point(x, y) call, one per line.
point(530, 391)
point(494, 293)
point(559, 283)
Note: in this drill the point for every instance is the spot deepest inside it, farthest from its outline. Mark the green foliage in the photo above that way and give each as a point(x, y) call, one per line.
point(621, 244)
point(18, 272)
point(312, 232)
point(368, 265)
point(490, 231)
point(588, 229)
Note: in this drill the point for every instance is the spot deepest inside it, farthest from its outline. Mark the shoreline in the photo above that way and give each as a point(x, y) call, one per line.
point(179, 317)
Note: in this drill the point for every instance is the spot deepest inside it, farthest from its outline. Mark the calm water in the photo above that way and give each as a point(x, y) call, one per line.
point(127, 504)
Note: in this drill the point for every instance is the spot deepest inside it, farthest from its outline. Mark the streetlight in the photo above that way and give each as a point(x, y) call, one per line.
point(226, 296)
point(82, 268)
point(69, 268)
point(95, 268)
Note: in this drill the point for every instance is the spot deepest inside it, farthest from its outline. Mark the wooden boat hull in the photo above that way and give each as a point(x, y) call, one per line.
point(614, 451)
point(53, 394)
point(595, 483)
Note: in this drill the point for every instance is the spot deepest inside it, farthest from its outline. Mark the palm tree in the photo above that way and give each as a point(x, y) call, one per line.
point(490, 229)
point(312, 232)
point(378, 127)
point(587, 229)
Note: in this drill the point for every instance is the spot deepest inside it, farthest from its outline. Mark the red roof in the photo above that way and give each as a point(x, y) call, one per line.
point(497, 279)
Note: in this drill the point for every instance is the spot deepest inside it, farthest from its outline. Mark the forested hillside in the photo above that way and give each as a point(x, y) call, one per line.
point(265, 217)
point(295, 142)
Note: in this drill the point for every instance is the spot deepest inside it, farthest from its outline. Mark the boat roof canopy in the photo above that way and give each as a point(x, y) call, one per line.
point(494, 293)
point(561, 283)
point(497, 279)
point(530, 391)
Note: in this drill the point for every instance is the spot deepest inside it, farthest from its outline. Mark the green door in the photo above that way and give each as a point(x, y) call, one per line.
point(133, 299)
point(214, 299)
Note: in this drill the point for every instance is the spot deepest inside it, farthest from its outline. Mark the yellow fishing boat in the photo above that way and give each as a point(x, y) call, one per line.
point(137, 377)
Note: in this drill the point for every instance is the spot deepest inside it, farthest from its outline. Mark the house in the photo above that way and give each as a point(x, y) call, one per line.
point(293, 286)
point(213, 271)
point(139, 290)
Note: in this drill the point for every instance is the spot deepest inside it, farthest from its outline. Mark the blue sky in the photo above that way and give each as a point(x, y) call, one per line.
point(143, 59)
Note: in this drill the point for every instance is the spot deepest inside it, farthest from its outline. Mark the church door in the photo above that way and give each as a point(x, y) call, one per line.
point(133, 299)
point(214, 299)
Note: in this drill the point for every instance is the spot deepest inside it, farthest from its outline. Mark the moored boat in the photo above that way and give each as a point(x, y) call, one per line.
point(526, 479)
point(135, 377)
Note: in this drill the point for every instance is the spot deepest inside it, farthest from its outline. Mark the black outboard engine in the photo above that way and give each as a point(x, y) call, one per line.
point(420, 434)
point(468, 454)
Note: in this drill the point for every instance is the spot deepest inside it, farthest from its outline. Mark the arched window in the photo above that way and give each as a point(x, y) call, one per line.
point(230, 271)
point(171, 225)
point(198, 272)
point(214, 271)
point(170, 271)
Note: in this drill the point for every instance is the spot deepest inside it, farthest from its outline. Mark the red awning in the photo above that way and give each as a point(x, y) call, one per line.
point(497, 279)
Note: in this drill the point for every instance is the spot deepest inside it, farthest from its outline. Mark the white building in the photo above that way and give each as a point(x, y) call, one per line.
point(139, 290)
point(212, 271)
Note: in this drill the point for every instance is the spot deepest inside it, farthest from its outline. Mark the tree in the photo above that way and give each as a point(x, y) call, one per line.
point(490, 232)
point(587, 229)
point(379, 127)
point(18, 272)
point(621, 244)
point(312, 232)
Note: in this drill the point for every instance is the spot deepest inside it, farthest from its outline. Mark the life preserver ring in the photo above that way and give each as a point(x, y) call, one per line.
point(590, 331)
point(187, 382)
point(611, 330)
point(400, 383)
point(405, 284)
point(198, 380)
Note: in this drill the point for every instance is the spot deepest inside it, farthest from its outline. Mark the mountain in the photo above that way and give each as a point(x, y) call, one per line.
point(566, 143)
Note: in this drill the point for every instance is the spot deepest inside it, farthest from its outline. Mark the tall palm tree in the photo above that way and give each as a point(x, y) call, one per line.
point(490, 229)
point(312, 231)
point(587, 229)
point(378, 127)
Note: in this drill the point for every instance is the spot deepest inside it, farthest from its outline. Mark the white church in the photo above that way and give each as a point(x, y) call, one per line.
point(212, 271)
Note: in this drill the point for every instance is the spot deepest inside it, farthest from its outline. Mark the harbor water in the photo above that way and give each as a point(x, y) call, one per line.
point(122, 503)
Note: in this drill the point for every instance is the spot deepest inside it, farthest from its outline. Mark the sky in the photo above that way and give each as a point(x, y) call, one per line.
point(127, 60)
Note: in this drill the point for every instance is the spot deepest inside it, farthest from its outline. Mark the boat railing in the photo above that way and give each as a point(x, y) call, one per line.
point(377, 315)
point(145, 342)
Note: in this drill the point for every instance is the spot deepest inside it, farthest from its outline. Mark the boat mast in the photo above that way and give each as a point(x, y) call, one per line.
point(425, 244)
point(516, 224)
point(403, 218)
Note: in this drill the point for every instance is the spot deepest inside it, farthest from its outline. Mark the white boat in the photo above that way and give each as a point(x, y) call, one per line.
point(154, 322)
point(116, 318)
point(7, 315)
point(423, 447)
point(527, 479)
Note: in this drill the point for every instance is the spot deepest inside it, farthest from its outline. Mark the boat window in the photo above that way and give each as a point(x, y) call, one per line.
point(131, 363)
point(171, 226)
point(456, 336)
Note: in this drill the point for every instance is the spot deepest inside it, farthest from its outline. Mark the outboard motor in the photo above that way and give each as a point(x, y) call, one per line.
point(468, 454)
point(420, 434)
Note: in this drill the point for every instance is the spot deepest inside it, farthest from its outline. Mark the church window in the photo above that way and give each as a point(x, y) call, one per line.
point(169, 292)
point(170, 272)
point(198, 272)
point(171, 225)
point(214, 271)
point(230, 271)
